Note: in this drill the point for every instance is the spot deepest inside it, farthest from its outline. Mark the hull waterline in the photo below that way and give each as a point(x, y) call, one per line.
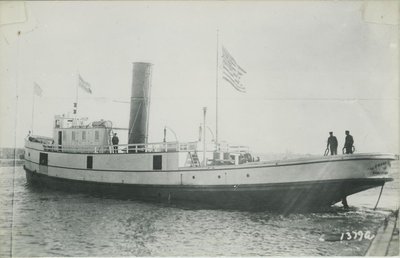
point(292, 196)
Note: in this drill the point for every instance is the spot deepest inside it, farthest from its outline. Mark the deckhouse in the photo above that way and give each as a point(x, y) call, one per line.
point(69, 131)
point(90, 142)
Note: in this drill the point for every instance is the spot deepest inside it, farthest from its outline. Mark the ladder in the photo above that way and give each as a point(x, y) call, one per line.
point(195, 159)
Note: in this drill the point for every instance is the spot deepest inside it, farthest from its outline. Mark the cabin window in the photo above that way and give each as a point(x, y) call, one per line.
point(43, 159)
point(73, 135)
point(96, 136)
point(83, 135)
point(89, 162)
point(157, 162)
point(57, 124)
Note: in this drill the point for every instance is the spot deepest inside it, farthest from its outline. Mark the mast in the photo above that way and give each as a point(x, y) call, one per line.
point(216, 94)
point(76, 96)
point(33, 109)
point(204, 137)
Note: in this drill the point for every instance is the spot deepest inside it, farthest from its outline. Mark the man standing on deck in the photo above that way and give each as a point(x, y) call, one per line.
point(348, 144)
point(332, 144)
point(115, 142)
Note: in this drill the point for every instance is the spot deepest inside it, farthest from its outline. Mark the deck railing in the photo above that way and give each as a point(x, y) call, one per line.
point(124, 148)
point(133, 148)
point(238, 149)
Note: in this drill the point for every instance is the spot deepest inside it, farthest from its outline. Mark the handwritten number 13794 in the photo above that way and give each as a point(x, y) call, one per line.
point(357, 235)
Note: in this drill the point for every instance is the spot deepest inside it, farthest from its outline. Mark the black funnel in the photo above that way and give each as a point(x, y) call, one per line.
point(140, 103)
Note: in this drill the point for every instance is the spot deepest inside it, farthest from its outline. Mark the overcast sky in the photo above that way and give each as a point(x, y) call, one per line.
point(312, 67)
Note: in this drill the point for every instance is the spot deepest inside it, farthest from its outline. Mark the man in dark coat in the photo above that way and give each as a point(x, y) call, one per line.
point(115, 142)
point(332, 144)
point(348, 144)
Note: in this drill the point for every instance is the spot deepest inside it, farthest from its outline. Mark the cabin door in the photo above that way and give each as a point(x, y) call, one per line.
point(59, 140)
point(43, 163)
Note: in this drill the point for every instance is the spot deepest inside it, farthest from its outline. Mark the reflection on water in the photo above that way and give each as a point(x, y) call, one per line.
point(52, 223)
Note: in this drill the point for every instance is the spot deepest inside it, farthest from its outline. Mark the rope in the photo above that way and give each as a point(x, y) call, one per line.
point(376, 205)
point(353, 148)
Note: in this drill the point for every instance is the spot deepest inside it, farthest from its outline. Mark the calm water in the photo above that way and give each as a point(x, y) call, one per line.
point(51, 223)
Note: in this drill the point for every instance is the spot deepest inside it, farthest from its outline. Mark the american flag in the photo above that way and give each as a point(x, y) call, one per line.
point(231, 71)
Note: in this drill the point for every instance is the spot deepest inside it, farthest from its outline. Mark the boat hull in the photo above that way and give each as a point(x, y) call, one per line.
point(293, 184)
point(289, 196)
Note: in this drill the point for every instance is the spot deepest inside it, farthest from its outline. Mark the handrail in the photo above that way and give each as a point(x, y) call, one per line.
point(238, 148)
point(136, 148)
point(124, 148)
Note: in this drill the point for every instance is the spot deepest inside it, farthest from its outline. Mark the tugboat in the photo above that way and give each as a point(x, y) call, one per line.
point(81, 157)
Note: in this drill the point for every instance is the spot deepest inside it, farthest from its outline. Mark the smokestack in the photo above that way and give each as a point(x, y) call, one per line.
point(140, 103)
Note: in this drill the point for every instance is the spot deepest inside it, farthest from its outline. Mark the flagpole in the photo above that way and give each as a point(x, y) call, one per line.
point(17, 81)
point(76, 97)
point(216, 94)
point(204, 137)
point(33, 108)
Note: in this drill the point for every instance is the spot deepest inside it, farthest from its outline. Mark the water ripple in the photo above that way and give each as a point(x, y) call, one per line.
point(52, 223)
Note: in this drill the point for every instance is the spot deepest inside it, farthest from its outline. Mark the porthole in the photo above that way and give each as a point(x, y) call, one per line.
point(193, 177)
point(219, 176)
point(248, 175)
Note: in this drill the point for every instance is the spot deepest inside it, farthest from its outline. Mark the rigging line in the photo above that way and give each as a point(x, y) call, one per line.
point(347, 99)
point(15, 143)
point(312, 99)
point(134, 120)
point(186, 98)
point(376, 205)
